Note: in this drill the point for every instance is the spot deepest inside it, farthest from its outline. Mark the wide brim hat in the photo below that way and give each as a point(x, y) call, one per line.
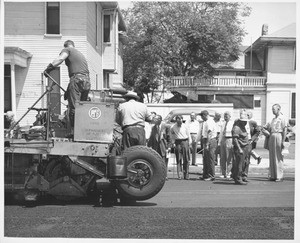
point(131, 94)
point(204, 112)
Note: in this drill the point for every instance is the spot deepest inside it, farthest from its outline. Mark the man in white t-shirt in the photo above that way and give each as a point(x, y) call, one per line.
point(181, 137)
point(131, 116)
point(193, 126)
point(209, 143)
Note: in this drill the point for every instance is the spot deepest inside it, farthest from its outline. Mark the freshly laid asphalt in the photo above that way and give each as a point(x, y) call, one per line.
point(192, 209)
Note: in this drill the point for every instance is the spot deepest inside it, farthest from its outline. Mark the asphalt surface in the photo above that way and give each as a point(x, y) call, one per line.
point(190, 209)
point(184, 209)
point(150, 223)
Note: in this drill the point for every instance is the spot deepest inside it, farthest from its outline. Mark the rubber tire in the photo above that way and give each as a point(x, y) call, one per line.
point(156, 182)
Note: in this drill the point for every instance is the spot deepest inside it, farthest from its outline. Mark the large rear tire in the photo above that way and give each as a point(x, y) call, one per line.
point(146, 173)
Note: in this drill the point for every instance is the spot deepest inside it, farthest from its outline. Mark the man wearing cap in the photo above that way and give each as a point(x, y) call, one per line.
point(241, 147)
point(131, 116)
point(79, 85)
point(209, 144)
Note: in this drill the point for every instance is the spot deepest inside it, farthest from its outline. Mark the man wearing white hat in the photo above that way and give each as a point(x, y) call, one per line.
point(131, 116)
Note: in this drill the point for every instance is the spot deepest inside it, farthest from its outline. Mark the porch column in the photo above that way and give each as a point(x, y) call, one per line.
point(13, 89)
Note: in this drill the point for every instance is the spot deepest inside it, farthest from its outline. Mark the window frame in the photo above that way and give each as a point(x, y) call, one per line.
point(293, 105)
point(46, 20)
point(106, 80)
point(97, 25)
point(110, 28)
point(7, 86)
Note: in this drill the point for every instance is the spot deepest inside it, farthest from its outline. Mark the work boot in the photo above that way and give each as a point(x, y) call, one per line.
point(240, 182)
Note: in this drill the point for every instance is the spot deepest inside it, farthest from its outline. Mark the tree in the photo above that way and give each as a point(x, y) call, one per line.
point(179, 39)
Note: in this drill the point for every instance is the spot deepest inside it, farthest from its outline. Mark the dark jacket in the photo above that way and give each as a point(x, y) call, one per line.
point(254, 131)
point(160, 141)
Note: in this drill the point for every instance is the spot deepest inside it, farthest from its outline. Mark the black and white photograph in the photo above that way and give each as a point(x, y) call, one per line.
point(149, 121)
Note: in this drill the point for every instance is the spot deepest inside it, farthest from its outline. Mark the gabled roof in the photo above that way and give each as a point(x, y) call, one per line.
point(288, 31)
point(284, 36)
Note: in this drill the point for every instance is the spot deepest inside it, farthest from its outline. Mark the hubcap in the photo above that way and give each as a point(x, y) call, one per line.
point(140, 173)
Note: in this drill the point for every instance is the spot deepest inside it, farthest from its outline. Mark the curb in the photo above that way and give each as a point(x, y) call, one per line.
point(262, 168)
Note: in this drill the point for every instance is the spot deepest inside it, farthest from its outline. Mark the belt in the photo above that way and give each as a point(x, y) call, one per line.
point(193, 133)
point(133, 125)
point(228, 137)
point(181, 140)
point(79, 74)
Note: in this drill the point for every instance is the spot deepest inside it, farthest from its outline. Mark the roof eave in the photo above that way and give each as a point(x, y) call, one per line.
point(115, 5)
point(267, 40)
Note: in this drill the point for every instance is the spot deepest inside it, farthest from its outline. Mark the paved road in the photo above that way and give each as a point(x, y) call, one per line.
point(191, 209)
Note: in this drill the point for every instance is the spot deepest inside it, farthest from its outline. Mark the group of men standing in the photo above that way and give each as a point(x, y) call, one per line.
point(235, 140)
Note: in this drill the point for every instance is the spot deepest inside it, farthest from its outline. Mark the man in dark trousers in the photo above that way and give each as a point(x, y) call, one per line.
point(181, 137)
point(254, 132)
point(209, 144)
point(241, 148)
point(160, 139)
point(79, 86)
point(131, 116)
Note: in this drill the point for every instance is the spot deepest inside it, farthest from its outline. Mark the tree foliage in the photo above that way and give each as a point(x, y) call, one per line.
point(179, 39)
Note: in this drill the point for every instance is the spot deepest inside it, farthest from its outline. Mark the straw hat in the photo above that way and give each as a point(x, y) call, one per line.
point(131, 94)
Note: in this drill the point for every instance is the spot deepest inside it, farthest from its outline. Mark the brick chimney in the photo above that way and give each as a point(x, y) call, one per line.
point(264, 30)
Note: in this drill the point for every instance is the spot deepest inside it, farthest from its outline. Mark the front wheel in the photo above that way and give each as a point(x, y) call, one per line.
point(146, 172)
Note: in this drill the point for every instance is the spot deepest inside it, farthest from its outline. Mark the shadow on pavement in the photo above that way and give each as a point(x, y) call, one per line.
point(47, 200)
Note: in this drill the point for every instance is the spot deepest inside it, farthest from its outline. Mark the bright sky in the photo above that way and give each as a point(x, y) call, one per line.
point(277, 14)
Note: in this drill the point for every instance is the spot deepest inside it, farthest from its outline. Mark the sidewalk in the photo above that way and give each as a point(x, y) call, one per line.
point(262, 168)
point(254, 168)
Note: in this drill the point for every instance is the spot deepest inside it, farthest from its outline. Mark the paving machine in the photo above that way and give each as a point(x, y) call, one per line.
point(42, 160)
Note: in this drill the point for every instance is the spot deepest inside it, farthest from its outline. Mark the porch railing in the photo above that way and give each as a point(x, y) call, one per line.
point(218, 81)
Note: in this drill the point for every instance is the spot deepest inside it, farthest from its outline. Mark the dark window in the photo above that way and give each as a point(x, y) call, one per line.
point(239, 101)
point(295, 59)
point(257, 103)
point(240, 73)
point(293, 112)
point(53, 18)
point(7, 88)
point(54, 95)
point(106, 28)
point(205, 98)
point(105, 79)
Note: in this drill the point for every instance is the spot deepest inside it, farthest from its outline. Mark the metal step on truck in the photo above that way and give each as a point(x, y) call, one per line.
point(92, 164)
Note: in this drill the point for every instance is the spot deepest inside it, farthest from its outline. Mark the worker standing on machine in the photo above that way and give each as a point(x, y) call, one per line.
point(79, 86)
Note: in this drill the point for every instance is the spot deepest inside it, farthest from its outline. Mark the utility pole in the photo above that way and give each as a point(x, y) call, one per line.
point(251, 57)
